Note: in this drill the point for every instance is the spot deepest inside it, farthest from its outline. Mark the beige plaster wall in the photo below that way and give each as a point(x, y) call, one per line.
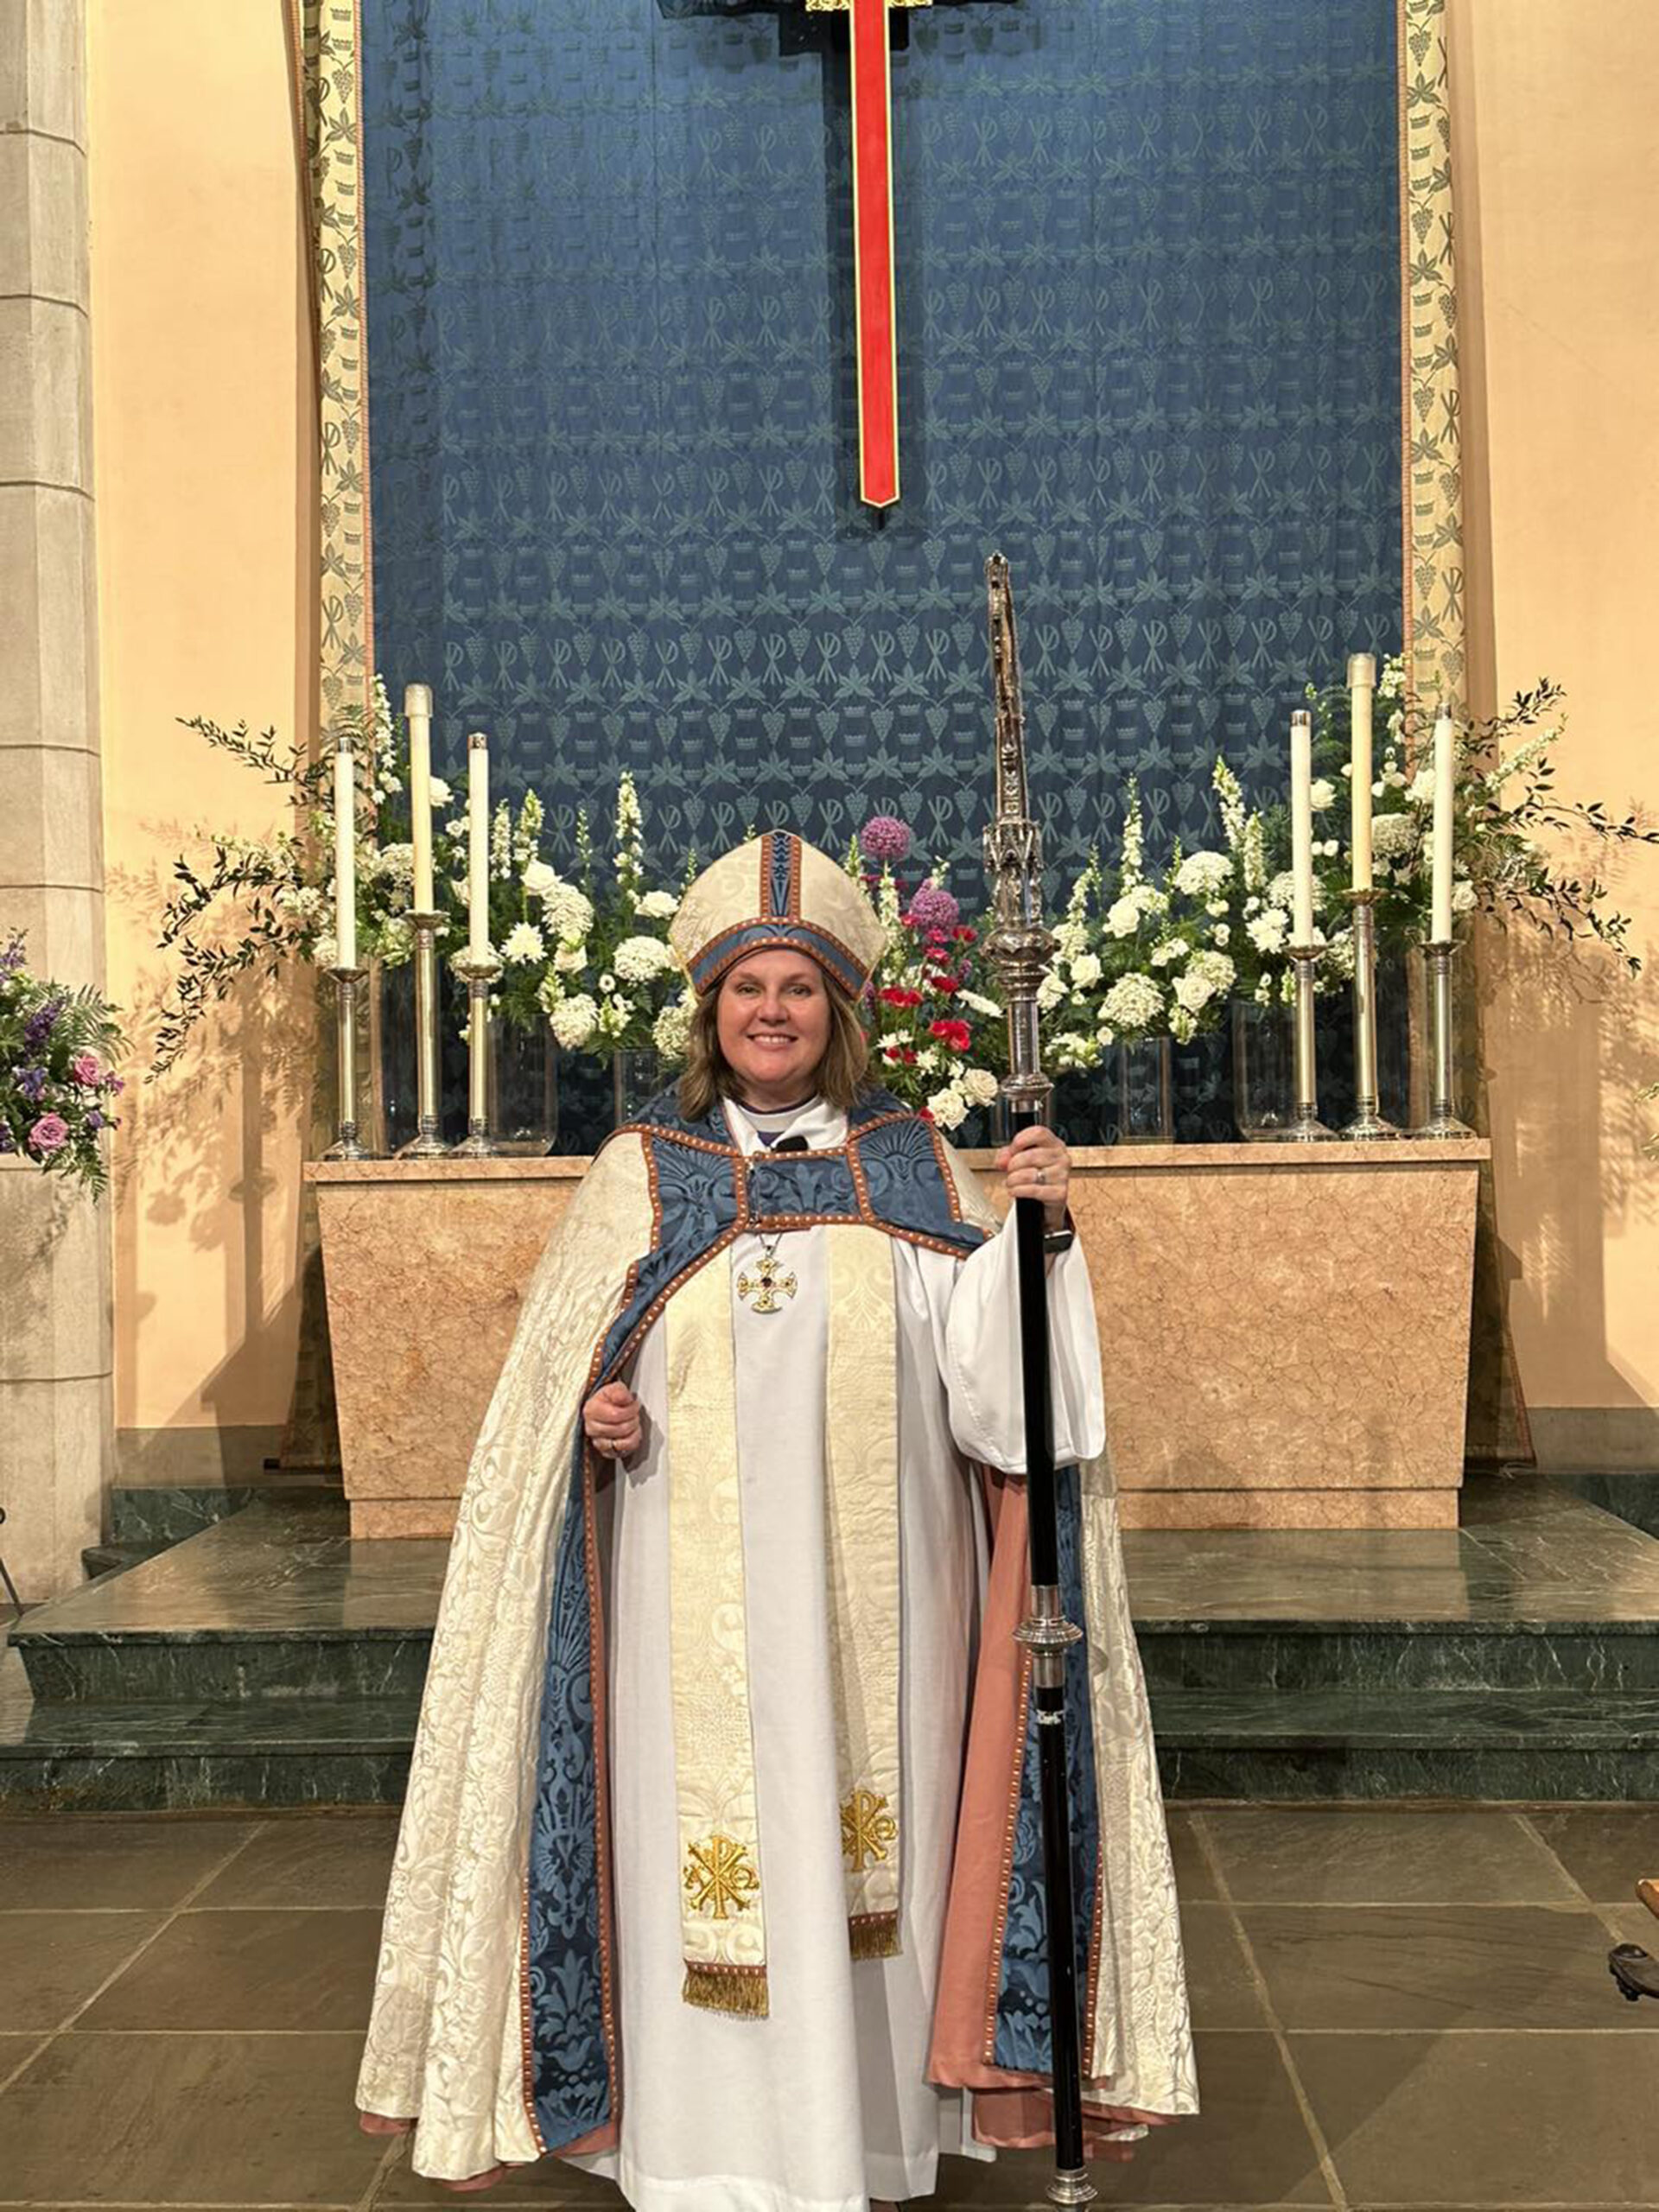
point(203, 465)
point(202, 407)
point(1556, 179)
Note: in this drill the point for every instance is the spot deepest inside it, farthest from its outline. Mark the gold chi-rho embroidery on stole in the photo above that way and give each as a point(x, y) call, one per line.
point(721, 1861)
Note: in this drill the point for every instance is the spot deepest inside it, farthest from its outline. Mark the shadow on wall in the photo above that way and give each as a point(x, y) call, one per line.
point(1570, 1040)
point(205, 1150)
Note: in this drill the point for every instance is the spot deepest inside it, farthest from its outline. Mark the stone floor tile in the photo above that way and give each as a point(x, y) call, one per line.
point(51, 1962)
point(1437, 1966)
point(1220, 1984)
point(1504, 2120)
point(185, 2120)
point(1606, 1849)
point(1192, 1875)
point(549, 2181)
point(249, 1969)
point(1355, 1855)
point(1249, 2146)
point(138, 1860)
point(340, 1860)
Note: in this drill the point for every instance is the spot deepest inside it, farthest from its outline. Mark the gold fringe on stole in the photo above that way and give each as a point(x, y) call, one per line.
point(728, 1989)
point(874, 1938)
point(721, 1920)
point(862, 1546)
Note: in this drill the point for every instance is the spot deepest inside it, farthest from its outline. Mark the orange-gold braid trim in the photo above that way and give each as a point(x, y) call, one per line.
point(999, 1933)
point(1097, 1932)
point(738, 1990)
point(873, 1935)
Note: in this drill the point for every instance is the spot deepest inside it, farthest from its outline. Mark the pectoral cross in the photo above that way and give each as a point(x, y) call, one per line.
point(768, 1279)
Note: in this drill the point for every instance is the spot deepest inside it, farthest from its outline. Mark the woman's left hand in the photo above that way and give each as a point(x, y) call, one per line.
point(1038, 1166)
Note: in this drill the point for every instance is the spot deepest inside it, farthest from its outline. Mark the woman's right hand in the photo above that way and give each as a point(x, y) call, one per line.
point(612, 1419)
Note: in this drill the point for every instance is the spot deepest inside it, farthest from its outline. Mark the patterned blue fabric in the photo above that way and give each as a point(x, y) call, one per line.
point(784, 849)
point(1022, 2025)
point(1147, 266)
point(726, 951)
point(696, 1192)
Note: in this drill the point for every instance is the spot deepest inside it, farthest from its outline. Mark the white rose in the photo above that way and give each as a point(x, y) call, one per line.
point(1050, 992)
point(658, 906)
point(1462, 897)
point(1321, 794)
point(439, 790)
point(574, 1020)
point(1123, 917)
point(1420, 792)
point(1194, 992)
point(524, 941)
point(327, 950)
point(539, 879)
point(1085, 969)
point(979, 1085)
point(948, 1107)
point(570, 958)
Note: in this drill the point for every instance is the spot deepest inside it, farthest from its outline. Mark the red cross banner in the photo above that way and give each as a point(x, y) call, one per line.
point(873, 265)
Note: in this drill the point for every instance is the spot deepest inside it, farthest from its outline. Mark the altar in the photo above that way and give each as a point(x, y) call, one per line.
point(1284, 1329)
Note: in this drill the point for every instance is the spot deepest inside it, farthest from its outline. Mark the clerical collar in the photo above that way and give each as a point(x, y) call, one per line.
point(813, 1118)
point(774, 1122)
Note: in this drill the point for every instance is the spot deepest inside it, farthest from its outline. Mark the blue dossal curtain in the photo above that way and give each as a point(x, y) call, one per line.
point(1149, 281)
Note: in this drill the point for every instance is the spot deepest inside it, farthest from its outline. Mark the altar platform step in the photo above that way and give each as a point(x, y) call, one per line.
point(270, 1660)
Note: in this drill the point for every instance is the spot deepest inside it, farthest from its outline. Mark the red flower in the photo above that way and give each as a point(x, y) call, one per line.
point(965, 935)
point(956, 1034)
point(946, 986)
point(924, 1113)
point(893, 996)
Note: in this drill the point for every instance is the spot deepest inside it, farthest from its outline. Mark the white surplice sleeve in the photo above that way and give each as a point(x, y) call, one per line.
point(973, 1309)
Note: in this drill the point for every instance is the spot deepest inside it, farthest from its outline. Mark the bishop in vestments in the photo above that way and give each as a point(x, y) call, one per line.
point(719, 1867)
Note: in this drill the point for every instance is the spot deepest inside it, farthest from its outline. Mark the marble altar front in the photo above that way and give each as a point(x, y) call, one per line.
point(1285, 1330)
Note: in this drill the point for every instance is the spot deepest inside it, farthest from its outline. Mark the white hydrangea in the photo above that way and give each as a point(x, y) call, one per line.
point(1281, 892)
point(524, 941)
point(1200, 876)
point(671, 1031)
point(397, 939)
point(1133, 1003)
point(1269, 931)
point(396, 863)
point(1393, 834)
point(1085, 969)
point(638, 958)
point(569, 913)
point(1216, 970)
point(1339, 955)
point(1321, 794)
point(948, 1107)
point(978, 1085)
point(574, 1020)
point(539, 879)
point(658, 906)
point(328, 949)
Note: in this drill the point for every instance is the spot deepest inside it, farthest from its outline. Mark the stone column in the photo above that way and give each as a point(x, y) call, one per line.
point(55, 1336)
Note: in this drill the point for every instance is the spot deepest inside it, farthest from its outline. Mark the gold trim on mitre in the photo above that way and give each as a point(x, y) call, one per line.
point(778, 891)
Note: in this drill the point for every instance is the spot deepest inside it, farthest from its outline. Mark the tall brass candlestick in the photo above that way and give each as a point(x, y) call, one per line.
point(481, 970)
point(1443, 1119)
point(1304, 1126)
point(347, 1145)
point(427, 1143)
point(1368, 1123)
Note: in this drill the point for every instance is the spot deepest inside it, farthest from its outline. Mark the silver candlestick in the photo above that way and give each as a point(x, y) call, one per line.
point(1304, 1126)
point(1442, 1113)
point(427, 1143)
point(1368, 1123)
point(347, 1145)
point(479, 972)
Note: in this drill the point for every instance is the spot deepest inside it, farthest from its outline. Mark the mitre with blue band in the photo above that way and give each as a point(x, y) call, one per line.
point(775, 892)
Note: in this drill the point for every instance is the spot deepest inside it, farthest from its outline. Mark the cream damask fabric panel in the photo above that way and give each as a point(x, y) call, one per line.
point(1432, 506)
point(325, 35)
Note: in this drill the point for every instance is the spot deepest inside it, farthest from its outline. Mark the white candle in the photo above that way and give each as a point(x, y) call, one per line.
point(1441, 925)
point(478, 846)
point(1362, 687)
point(345, 858)
point(1301, 828)
point(417, 709)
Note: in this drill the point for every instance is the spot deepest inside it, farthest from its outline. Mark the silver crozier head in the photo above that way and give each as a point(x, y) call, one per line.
point(1017, 945)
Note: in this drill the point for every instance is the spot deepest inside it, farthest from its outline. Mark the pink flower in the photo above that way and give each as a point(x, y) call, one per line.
point(49, 1135)
point(86, 1068)
point(884, 837)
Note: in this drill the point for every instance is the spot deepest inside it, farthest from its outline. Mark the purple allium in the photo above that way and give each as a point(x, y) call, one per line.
point(31, 1082)
point(933, 909)
point(11, 955)
point(114, 1083)
point(49, 1135)
point(42, 1023)
point(86, 1068)
point(884, 838)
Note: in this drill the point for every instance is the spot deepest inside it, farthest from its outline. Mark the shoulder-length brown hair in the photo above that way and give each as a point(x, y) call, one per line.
point(707, 1074)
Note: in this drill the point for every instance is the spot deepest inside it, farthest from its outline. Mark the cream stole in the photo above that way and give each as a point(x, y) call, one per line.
point(722, 1866)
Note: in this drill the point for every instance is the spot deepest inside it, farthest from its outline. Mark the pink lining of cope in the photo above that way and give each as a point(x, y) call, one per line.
point(1012, 2111)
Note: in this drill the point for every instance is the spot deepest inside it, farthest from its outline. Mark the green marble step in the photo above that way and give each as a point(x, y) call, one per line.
point(166, 1513)
point(116, 1558)
point(1630, 1492)
point(139, 1757)
point(1334, 1743)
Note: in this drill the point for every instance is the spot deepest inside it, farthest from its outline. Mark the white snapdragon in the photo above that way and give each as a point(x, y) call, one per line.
point(978, 1004)
point(1220, 934)
point(1072, 1050)
point(524, 941)
point(640, 958)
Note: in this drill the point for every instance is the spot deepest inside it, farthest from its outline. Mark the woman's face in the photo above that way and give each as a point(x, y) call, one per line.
point(773, 1021)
